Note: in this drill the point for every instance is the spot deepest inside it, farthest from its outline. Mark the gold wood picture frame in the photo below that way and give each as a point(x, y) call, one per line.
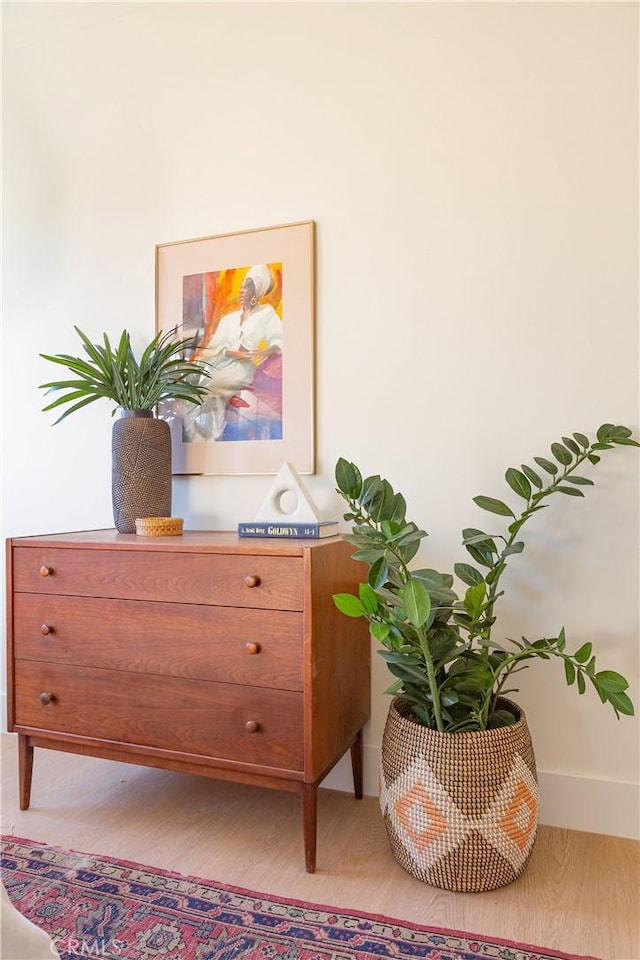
point(247, 301)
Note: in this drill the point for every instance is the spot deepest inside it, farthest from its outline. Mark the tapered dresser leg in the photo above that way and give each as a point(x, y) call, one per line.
point(357, 765)
point(25, 770)
point(309, 824)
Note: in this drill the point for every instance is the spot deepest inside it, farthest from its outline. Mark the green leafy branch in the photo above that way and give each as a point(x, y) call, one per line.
point(579, 667)
point(439, 647)
point(476, 614)
point(407, 610)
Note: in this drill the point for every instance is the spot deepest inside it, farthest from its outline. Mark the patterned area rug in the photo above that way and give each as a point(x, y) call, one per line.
point(95, 906)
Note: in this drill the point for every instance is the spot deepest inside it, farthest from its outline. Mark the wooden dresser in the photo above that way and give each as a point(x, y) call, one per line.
point(203, 653)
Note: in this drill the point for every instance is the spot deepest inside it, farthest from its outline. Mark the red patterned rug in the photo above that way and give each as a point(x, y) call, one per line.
point(96, 906)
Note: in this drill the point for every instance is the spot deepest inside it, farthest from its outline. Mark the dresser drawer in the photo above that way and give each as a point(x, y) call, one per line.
point(261, 582)
point(262, 648)
point(205, 719)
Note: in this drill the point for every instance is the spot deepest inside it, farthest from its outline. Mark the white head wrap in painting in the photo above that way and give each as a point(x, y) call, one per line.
point(262, 279)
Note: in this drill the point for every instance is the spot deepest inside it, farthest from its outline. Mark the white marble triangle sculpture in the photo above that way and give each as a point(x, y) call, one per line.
point(288, 482)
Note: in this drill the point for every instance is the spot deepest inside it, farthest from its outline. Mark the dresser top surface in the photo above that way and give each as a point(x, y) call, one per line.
point(190, 541)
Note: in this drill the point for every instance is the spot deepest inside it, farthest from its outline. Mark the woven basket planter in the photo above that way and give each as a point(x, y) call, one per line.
point(141, 468)
point(461, 809)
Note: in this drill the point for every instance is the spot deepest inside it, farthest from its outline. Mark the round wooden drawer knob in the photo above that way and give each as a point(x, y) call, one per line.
point(252, 726)
point(46, 699)
point(46, 571)
point(252, 581)
point(252, 648)
point(46, 629)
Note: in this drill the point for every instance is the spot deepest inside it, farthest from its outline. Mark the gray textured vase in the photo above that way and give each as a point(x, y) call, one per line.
point(140, 468)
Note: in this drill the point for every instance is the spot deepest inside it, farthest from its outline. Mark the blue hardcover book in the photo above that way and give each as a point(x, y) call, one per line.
point(282, 529)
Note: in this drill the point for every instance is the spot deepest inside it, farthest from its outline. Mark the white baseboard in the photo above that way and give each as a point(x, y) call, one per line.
point(577, 803)
point(611, 807)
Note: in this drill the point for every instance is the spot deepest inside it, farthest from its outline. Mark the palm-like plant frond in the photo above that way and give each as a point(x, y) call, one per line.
point(162, 373)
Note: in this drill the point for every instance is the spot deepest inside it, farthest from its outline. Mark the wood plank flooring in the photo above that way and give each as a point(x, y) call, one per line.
point(580, 892)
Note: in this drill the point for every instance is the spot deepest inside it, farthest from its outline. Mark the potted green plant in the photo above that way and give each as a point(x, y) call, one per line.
point(141, 443)
point(458, 777)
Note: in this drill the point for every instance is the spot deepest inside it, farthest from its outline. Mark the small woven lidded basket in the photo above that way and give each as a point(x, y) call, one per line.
point(159, 526)
point(460, 809)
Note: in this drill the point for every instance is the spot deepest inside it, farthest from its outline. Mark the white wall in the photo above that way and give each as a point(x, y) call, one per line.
point(473, 172)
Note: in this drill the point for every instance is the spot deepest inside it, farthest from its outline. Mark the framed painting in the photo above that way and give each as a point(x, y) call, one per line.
point(246, 300)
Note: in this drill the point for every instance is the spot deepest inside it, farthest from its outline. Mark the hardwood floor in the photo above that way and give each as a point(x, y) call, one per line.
point(580, 892)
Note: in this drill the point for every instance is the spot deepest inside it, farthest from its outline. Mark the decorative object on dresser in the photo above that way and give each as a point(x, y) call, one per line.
point(458, 781)
point(141, 443)
point(304, 531)
point(288, 510)
point(159, 526)
point(205, 654)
